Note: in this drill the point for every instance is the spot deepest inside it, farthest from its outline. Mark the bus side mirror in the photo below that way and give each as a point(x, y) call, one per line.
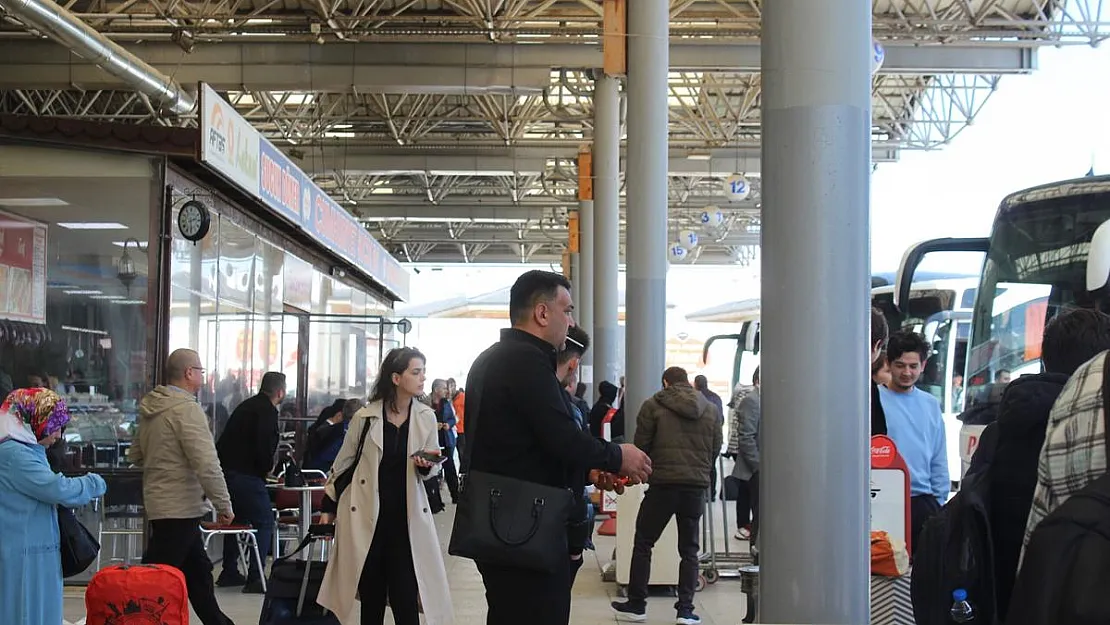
point(1098, 261)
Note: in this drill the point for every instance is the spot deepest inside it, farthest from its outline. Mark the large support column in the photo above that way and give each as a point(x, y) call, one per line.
point(816, 193)
point(606, 164)
point(585, 304)
point(646, 190)
point(584, 279)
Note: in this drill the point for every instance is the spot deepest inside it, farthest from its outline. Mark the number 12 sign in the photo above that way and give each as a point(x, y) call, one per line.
point(737, 188)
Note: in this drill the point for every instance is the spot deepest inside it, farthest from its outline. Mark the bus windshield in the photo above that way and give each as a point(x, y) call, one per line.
point(1036, 266)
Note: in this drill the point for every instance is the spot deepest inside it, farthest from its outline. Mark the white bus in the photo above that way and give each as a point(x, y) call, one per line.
point(1049, 249)
point(940, 309)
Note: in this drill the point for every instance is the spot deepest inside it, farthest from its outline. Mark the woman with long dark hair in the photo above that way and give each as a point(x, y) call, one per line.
point(386, 547)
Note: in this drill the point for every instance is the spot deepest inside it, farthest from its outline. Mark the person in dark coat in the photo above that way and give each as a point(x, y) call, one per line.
point(325, 437)
point(607, 394)
point(1010, 448)
point(519, 425)
point(246, 451)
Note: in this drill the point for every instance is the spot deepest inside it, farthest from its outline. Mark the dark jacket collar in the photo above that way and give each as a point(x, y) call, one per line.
point(513, 335)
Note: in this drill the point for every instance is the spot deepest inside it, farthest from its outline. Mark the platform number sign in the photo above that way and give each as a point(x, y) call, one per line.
point(737, 188)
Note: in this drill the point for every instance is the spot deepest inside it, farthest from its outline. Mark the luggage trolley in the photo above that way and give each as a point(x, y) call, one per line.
point(713, 564)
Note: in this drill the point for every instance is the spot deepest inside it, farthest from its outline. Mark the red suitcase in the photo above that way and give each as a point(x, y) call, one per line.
point(143, 594)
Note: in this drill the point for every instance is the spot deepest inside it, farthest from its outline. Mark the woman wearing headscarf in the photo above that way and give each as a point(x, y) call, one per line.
point(30, 559)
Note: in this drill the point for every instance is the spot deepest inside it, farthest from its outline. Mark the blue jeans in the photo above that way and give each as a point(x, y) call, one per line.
point(251, 503)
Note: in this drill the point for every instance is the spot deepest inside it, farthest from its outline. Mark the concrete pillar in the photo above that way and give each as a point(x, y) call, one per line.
point(816, 192)
point(584, 305)
point(574, 271)
point(606, 232)
point(646, 192)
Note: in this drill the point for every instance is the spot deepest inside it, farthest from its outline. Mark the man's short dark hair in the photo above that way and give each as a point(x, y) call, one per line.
point(701, 382)
point(272, 382)
point(675, 375)
point(880, 331)
point(1072, 338)
point(904, 342)
point(531, 288)
point(577, 344)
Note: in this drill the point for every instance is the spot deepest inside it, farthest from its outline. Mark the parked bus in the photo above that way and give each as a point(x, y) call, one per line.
point(940, 309)
point(1048, 250)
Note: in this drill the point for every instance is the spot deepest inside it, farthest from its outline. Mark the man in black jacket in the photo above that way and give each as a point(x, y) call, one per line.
point(519, 425)
point(246, 450)
point(580, 527)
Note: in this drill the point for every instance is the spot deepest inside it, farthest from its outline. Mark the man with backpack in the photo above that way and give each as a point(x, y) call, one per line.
point(1065, 566)
point(987, 518)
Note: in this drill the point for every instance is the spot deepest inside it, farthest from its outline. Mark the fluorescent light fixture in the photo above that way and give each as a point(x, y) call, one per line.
point(106, 297)
point(120, 243)
point(129, 302)
point(699, 156)
point(32, 201)
point(85, 330)
point(91, 225)
point(82, 292)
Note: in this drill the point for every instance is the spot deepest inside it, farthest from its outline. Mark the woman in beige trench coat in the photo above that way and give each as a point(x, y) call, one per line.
point(386, 547)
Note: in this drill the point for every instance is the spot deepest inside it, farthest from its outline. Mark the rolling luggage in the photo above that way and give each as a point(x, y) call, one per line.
point(140, 594)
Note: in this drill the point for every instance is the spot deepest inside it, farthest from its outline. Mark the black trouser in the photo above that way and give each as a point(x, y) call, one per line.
point(753, 499)
point(512, 593)
point(922, 508)
point(450, 474)
point(661, 503)
point(178, 543)
point(743, 503)
point(578, 533)
point(389, 572)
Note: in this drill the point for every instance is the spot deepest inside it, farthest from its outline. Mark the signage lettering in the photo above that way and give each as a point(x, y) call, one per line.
point(237, 151)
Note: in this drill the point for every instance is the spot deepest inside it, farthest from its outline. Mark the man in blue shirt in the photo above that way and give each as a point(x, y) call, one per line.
point(915, 424)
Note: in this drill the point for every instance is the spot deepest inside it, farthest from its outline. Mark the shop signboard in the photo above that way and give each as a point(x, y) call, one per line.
point(22, 269)
point(279, 184)
point(229, 144)
point(890, 490)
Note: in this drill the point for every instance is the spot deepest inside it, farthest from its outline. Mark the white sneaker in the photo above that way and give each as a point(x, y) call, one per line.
point(687, 617)
point(743, 534)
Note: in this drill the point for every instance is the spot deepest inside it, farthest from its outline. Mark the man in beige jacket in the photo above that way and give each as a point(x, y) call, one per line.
point(176, 451)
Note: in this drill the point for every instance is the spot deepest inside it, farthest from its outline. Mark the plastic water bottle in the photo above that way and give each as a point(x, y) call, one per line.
point(961, 610)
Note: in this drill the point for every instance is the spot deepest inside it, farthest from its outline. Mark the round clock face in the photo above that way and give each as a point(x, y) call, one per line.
point(192, 220)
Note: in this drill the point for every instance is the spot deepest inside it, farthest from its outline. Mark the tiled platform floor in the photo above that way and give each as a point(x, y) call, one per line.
point(719, 604)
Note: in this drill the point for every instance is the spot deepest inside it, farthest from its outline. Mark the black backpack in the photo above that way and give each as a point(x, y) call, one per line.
point(955, 550)
point(1065, 573)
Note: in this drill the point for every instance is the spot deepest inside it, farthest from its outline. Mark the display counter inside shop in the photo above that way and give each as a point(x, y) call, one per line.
point(99, 432)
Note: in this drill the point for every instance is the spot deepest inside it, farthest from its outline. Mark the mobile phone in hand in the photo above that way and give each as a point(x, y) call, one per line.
point(430, 457)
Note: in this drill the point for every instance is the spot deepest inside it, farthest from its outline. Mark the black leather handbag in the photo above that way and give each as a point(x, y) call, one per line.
point(507, 521)
point(78, 546)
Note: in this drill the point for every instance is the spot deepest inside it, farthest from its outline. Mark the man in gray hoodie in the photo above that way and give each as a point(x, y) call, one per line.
point(176, 451)
point(681, 431)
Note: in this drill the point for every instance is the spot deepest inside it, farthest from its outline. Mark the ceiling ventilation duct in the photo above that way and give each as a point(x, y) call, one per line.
point(56, 23)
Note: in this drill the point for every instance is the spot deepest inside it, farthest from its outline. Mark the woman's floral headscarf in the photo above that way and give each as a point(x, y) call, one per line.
point(40, 409)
